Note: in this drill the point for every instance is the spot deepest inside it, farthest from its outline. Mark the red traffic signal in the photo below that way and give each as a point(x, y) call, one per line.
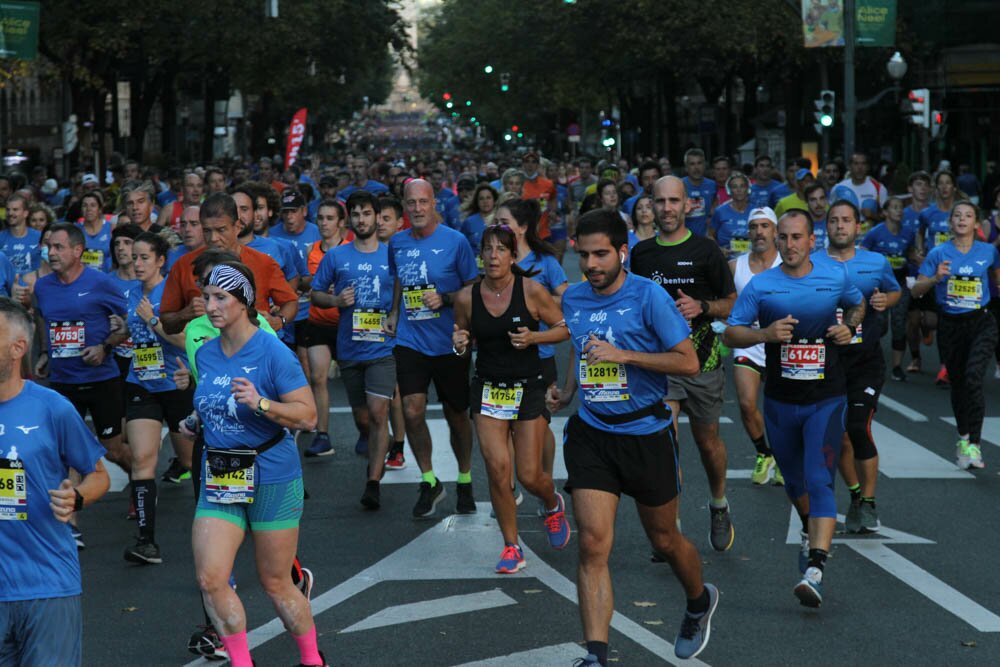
point(514, 128)
point(447, 96)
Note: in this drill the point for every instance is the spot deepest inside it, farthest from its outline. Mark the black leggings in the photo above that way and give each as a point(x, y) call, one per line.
point(967, 345)
point(994, 307)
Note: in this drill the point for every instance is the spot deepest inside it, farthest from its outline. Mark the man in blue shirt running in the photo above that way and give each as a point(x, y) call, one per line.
point(41, 437)
point(627, 337)
point(805, 392)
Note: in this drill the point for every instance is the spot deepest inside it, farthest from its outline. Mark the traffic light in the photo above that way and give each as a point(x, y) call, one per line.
point(468, 103)
point(826, 105)
point(446, 96)
point(920, 107)
point(937, 123)
point(504, 82)
point(513, 128)
point(488, 69)
point(449, 105)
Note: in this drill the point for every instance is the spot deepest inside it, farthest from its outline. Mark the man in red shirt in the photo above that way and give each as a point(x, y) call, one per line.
point(182, 300)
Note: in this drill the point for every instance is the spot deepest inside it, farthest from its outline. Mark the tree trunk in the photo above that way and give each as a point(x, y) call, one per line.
point(168, 105)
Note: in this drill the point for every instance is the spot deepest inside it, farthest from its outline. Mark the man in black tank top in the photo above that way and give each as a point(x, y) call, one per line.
point(507, 398)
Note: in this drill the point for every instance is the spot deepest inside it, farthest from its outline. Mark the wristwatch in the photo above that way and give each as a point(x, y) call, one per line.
point(107, 348)
point(704, 307)
point(153, 321)
point(78, 504)
point(263, 407)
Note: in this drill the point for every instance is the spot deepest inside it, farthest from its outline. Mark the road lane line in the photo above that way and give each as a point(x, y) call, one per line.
point(896, 406)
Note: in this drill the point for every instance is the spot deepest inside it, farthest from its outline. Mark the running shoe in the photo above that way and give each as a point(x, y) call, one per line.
point(869, 517)
point(320, 446)
point(942, 378)
point(897, 374)
point(722, 532)
point(429, 497)
point(395, 460)
point(852, 522)
point(809, 591)
point(975, 457)
point(914, 366)
point(778, 479)
point(762, 469)
point(144, 552)
point(803, 551)
point(589, 660)
point(321, 657)
point(175, 472)
point(206, 643)
point(511, 559)
point(466, 502)
point(556, 524)
point(962, 458)
point(361, 447)
point(371, 498)
point(696, 628)
point(305, 583)
point(78, 538)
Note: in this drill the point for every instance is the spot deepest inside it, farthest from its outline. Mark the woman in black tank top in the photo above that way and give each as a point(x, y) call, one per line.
point(501, 313)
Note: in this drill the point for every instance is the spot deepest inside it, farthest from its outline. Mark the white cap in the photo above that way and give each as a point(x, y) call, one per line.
point(763, 212)
point(50, 186)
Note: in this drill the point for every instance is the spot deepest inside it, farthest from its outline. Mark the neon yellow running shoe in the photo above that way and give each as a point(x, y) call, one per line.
point(778, 479)
point(762, 469)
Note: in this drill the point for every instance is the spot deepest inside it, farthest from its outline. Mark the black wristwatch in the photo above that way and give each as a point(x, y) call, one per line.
point(853, 330)
point(78, 504)
point(704, 307)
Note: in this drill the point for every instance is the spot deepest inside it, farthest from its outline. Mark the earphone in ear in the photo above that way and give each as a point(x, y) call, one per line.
point(622, 255)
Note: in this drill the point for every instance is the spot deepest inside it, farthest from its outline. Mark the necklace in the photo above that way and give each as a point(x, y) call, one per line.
point(502, 289)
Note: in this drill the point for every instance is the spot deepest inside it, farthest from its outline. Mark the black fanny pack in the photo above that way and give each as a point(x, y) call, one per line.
point(227, 461)
point(657, 409)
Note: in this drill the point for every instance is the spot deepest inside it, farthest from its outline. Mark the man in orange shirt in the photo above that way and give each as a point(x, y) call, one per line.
point(538, 187)
point(182, 300)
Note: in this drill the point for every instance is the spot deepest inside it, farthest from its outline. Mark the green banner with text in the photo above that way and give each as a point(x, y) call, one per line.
point(19, 30)
point(876, 23)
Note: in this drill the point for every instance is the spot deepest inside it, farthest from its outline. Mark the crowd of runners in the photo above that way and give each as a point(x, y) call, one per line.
point(220, 301)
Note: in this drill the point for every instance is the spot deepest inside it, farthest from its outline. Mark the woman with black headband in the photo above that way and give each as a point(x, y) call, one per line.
point(250, 390)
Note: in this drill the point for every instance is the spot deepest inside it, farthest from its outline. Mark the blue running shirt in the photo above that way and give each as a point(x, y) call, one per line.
point(361, 334)
point(807, 369)
point(440, 262)
point(730, 228)
point(274, 370)
point(19, 249)
point(302, 243)
point(968, 286)
point(154, 360)
point(76, 316)
point(935, 225)
point(41, 436)
point(866, 271)
point(640, 317)
point(551, 275)
point(97, 248)
point(701, 197)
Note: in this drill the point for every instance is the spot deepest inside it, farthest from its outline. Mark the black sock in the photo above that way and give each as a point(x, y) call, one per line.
point(599, 649)
point(855, 491)
point(868, 499)
point(144, 496)
point(817, 558)
point(698, 605)
point(396, 447)
point(760, 444)
point(804, 518)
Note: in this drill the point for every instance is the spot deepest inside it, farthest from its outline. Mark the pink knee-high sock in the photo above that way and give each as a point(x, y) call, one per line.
point(238, 649)
point(308, 650)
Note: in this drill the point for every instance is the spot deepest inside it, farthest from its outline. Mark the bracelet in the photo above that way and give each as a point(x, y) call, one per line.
point(457, 353)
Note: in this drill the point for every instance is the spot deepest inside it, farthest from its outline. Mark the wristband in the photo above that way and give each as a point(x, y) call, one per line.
point(107, 348)
point(446, 301)
point(78, 503)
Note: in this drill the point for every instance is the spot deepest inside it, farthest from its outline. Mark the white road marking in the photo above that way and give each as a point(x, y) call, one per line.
point(902, 458)
point(119, 478)
point(419, 611)
point(459, 547)
point(896, 406)
point(876, 549)
point(560, 654)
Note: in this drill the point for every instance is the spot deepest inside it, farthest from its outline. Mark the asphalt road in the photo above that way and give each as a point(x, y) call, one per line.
point(394, 591)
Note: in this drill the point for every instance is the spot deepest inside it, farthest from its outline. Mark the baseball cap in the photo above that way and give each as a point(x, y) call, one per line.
point(802, 173)
point(50, 186)
point(763, 212)
point(292, 199)
point(90, 179)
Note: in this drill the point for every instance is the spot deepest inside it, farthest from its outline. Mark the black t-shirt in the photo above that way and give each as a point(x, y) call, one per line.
point(697, 267)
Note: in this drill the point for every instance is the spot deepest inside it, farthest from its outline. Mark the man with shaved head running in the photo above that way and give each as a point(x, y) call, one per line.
point(695, 273)
point(431, 262)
